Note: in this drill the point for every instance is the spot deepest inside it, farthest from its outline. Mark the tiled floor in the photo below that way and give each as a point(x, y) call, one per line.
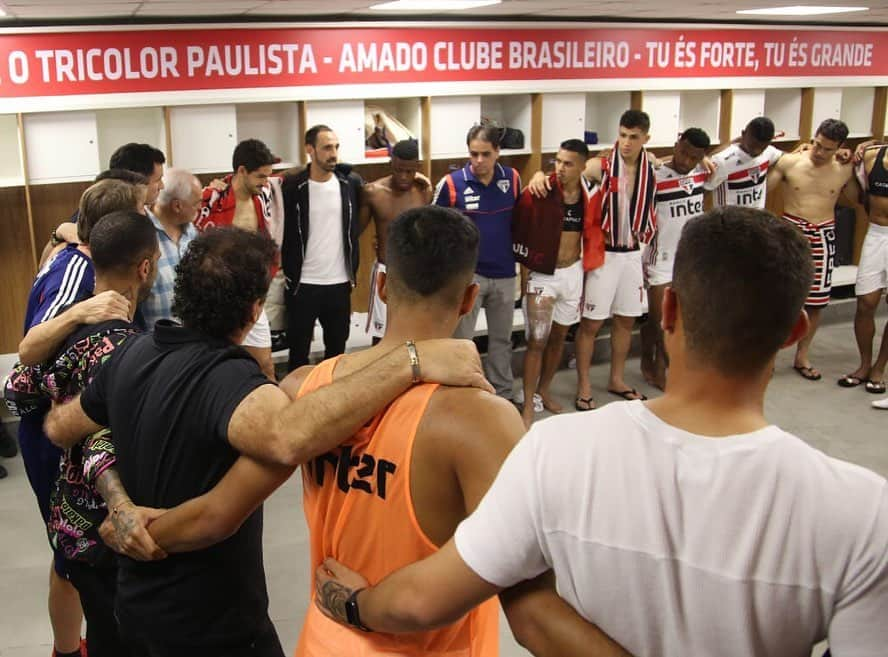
point(836, 420)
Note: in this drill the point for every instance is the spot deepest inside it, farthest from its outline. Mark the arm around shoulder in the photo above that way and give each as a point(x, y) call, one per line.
point(219, 513)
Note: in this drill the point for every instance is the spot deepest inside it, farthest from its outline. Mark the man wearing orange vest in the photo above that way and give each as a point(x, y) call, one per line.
point(398, 488)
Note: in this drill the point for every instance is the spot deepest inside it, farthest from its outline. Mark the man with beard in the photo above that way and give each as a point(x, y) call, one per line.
point(319, 254)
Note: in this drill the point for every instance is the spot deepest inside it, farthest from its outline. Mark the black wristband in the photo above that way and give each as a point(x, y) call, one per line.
point(352, 614)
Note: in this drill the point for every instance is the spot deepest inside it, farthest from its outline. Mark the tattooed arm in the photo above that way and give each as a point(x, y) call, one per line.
point(125, 528)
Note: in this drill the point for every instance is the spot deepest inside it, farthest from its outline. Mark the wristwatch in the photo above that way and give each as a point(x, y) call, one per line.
point(54, 238)
point(351, 612)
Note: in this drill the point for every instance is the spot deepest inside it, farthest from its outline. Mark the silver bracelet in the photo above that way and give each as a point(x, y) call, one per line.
point(414, 361)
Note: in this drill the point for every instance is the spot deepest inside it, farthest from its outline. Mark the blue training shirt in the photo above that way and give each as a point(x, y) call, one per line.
point(490, 208)
point(66, 278)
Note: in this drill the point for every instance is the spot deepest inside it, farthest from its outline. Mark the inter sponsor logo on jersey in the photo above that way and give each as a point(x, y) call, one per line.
point(351, 471)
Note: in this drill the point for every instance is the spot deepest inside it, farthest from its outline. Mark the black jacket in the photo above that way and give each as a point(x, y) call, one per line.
point(295, 193)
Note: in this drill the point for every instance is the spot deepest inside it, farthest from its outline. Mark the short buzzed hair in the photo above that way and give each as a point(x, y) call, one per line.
point(102, 198)
point(121, 240)
point(406, 149)
point(429, 251)
point(695, 137)
point(741, 276)
point(761, 128)
point(577, 146)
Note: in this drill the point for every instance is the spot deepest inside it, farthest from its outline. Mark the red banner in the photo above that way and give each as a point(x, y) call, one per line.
point(56, 64)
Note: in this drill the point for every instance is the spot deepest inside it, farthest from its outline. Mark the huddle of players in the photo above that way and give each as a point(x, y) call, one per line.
point(596, 240)
point(431, 286)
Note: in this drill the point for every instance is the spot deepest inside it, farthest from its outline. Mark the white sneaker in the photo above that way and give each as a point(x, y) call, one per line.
point(881, 404)
point(518, 397)
point(537, 403)
point(572, 363)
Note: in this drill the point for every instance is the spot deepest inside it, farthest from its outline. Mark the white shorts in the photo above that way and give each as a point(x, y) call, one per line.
point(872, 272)
point(260, 335)
point(376, 311)
point(659, 256)
point(615, 288)
point(565, 286)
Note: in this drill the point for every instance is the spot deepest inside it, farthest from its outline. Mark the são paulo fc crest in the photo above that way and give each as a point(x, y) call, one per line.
point(754, 174)
point(504, 185)
point(687, 184)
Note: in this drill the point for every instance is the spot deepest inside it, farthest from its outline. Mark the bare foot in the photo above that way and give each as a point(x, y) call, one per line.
point(550, 404)
point(527, 415)
point(648, 371)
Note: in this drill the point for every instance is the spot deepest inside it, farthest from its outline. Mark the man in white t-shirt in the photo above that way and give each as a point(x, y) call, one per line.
point(319, 254)
point(742, 168)
point(686, 525)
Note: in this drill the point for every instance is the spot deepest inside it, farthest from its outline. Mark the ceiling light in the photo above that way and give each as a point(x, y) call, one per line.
point(432, 5)
point(800, 10)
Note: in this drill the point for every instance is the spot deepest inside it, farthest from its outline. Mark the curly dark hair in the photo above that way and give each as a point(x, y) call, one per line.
point(222, 274)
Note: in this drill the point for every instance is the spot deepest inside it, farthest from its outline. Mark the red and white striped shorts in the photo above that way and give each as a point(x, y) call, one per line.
point(822, 238)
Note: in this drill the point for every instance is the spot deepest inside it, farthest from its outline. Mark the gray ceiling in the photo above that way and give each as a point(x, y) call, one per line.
point(36, 11)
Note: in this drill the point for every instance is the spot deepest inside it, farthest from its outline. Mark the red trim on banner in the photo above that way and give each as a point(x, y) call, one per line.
point(82, 63)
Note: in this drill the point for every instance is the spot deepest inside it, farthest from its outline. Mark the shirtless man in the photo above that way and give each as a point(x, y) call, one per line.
point(872, 274)
point(384, 200)
point(249, 198)
point(548, 242)
point(679, 197)
point(812, 181)
point(616, 289)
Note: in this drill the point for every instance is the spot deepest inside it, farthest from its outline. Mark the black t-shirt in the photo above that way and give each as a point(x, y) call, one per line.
point(168, 397)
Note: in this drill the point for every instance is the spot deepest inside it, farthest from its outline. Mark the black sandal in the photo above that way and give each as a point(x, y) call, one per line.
point(588, 401)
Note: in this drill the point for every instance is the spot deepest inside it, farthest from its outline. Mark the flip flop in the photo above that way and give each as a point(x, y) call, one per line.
point(588, 401)
point(629, 395)
point(807, 373)
point(875, 387)
point(851, 381)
